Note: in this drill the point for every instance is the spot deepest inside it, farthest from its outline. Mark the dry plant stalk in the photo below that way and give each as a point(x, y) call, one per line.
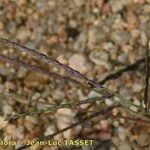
point(147, 74)
point(49, 61)
point(96, 86)
point(93, 115)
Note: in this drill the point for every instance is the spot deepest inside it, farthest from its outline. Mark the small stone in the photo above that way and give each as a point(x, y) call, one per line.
point(22, 72)
point(139, 1)
point(65, 117)
point(61, 59)
point(137, 87)
point(116, 5)
point(124, 146)
point(3, 122)
point(23, 34)
point(78, 62)
point(123, 57)
point(10, 86)
point(73, 23)
point(19, 132)
point(31, 23)
point(30, 123)
point(54, 39)
point(106, 8)
point(58, 94)
point(7, 109)
point(49, 130)
point(79, 2)
point(122, 133)
point(124, 92)
point(109, 102)
point(33, 79)
point(81, 42)
point(36, 96)
point(136, 102)
point(95, 10)
point(132, 20)
point(120, 37)
point(144, 39)
point(115, 111)
point(116, 123)
point(146, 8)
point(135, 33)
point(104, 124)
point(100, 58)
point(94, 38)
point(11, 27)
point(10, 130)
point(93, 94)
point(122, 120)
point(144, 139)
point(126, 48)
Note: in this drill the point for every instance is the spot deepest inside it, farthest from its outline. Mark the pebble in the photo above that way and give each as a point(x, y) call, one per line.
point(144, 139)
point(21, 72)
point(100, 58)
point(121, 133)
point(109, 102)
point(62, 59)
point(3, 122)
point(33, 79)
point(52, 40)
point(49, 130)
point(58, 94)
point(79, 2)
point(93, 94)
point(104, 124)
point(116, 123)
point(11, 131)
point(23, 34)
point(116, 5)
point(81, 42)
point(65, 117)
point(10, 86)
point(136, 102)
point(124, 146)
point(132, 21)
point(115, 111)
point(94, 38)
point(144, 39)
point(126, 93)
point(11, 27)
point(120, 37)
point(137, 87)
point(78, 62)
point(7, 109)
point(146, 8)
point(36, 96)
point(135, 33)
point(139, 1)
point(123, 57)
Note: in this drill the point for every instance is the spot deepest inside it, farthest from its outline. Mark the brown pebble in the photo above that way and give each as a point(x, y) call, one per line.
point(52, 40)
point(139, 1)
point(106, 8)
point(132, 21)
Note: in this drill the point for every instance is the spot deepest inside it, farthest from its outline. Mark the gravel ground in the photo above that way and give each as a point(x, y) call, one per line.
point(95, 37)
